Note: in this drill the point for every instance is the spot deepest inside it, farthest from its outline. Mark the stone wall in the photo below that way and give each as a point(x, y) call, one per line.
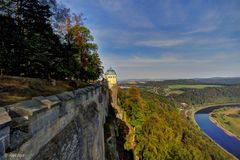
point(63, 126)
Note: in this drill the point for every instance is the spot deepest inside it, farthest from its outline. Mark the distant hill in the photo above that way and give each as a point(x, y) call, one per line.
point(214, 80)
point(219, 80)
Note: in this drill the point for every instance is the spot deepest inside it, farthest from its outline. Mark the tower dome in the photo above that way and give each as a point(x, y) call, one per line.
point(110, 71)
point(111, 77)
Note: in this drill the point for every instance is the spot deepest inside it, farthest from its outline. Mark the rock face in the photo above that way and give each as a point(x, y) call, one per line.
point(66, 126)
point(82, 138)
point(117, 130)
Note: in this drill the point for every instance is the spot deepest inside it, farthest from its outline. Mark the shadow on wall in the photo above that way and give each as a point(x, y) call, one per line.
point(115, 131)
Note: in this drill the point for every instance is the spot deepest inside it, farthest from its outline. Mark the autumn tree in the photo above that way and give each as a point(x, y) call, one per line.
point(83, 56)
point(40, 38)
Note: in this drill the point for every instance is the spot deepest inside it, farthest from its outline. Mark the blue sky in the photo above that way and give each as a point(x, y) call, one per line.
point(165, 38)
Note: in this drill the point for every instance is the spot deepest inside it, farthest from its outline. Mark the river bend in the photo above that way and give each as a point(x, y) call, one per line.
point(229, 143)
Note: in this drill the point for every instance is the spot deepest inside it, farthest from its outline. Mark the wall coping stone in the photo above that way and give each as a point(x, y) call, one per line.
point(28, 108)
point(65, 96)
point(81, 91)
point(54, 98)
point(5, 119)
point(47, 101)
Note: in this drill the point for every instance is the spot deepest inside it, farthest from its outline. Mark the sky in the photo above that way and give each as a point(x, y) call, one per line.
point(165, 39)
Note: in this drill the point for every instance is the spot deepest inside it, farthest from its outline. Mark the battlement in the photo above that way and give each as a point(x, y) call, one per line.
point(29, 125)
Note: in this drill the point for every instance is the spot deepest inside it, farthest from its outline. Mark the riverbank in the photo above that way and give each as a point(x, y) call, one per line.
point(195, 109)
point(221, 127)
point(228, 119)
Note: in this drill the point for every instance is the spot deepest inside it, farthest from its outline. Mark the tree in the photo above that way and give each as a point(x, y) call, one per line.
point(94, 67)
point(7, 43)
point(85, 54)
point(161, 132)
point(40, 38)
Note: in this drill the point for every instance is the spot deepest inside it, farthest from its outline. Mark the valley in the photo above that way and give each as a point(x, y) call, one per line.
point(184, 97)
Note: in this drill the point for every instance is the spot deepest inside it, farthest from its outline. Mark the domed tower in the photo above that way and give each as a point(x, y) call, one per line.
point(111, 77)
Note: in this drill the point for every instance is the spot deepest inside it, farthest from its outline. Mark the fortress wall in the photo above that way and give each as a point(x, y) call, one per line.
point(63, 126)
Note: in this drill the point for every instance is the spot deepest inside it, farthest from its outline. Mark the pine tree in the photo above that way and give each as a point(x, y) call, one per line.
point(32, 42)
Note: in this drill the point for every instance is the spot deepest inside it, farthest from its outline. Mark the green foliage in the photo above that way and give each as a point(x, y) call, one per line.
point(31, 47)
point(195, 86)
point(133, 105)
point(209, 95)
point(87, 64)
point(227, 118)
point(162, 132)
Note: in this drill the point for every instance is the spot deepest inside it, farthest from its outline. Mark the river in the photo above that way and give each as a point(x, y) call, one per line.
point(229, 143)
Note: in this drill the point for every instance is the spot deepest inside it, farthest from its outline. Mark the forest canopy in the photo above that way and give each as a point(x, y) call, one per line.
point(162, 132)
point(44, 39)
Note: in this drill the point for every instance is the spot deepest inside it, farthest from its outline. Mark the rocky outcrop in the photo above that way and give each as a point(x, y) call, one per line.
point(121, 115)
point(117, 131)
point(64, 126)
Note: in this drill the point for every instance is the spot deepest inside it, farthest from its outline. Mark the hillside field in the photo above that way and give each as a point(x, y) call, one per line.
point(228, 118)
point(195, 86)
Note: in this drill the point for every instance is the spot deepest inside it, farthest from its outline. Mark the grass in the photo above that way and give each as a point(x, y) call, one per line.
point(229, 119)
point(169, 92)
point(176, 92)
point(197, 86)
point(177, 89)
point(15, 89)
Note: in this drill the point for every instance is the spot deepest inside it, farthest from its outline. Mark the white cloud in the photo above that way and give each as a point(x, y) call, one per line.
point(175, 66)
point(169, 59)
point(137, 61)
point(115, 35)
point(127, 13)
point(112, 5)
point(163, 43)
point(200, 30)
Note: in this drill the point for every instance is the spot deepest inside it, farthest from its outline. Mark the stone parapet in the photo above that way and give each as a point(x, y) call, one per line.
point(29, 125)
point(5, 120)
